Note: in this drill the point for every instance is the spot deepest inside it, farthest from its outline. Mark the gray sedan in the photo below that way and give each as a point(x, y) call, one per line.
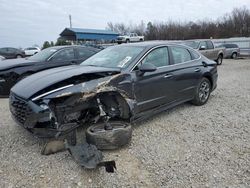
point(231, 50)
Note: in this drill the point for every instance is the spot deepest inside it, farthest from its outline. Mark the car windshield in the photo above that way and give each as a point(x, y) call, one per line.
point(43, 55)
point(114, 57)
point(192, 44)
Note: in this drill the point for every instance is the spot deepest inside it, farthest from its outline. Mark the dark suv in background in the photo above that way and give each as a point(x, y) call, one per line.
point(11, 53)
point(231, 50)
point(13, 70)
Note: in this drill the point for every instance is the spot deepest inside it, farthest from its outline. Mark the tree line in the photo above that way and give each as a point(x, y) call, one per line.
point(234, 24)
point(59, 42)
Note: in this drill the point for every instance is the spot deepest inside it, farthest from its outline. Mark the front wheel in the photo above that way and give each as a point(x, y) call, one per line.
point(219, 59)
point(116, 135)
point(19, 56)
point(202, 92)
point(234, 55)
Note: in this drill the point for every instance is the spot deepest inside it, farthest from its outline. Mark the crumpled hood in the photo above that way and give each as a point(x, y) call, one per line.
point(42, 80)
point(12, 63)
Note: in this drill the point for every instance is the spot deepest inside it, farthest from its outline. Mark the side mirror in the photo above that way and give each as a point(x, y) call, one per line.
point(202, 48)
point(147, 67)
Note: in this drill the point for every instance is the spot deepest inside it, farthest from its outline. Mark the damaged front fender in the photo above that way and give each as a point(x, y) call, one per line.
point(120, 84)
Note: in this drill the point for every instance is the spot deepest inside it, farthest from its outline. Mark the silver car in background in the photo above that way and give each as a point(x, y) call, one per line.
point(31, 51)
point(231, 50)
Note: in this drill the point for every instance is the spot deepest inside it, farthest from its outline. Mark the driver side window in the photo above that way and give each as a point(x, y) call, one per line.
point(64, 55)
point(158, 57)
point(203, 44)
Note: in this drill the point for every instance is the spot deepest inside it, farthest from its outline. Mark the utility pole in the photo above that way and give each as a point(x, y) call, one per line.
point(70, 22)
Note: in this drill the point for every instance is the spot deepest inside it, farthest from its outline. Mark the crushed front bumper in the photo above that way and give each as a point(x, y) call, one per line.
point(4, 87)
point(35, 118)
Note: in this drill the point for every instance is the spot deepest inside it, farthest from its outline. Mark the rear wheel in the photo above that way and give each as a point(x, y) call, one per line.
point(202, 92)
point(219, 59)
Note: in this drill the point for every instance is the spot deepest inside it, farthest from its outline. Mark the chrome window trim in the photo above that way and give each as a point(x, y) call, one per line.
point(139, 61)
point(58, 52)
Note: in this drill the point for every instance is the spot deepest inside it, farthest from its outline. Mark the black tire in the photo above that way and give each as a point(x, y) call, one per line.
point(202, 92)
point(219, 59)
point(19, 56)
point(234, 55)
point(104, 139)
point(127, 41)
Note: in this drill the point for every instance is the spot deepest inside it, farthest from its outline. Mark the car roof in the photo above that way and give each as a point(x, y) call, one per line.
point(148, 44)
point(198, 40)
point(9, 47)
point(73, 46)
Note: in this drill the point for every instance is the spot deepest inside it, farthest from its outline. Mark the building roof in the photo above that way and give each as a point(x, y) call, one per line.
point(92, 31)
point(88, 34)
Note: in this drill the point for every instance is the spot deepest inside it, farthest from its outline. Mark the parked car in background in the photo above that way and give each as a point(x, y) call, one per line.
point(207, 48)
point(11, 71)
point(1, 58)
point(11, 53)
point(231, 50)
point(127, 82)
point(131, 37)
point(31, 51)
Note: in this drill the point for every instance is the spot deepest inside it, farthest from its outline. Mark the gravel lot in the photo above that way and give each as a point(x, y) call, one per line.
point(187, 146)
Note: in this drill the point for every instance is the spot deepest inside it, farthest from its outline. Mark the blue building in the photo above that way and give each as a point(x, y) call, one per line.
point(78, 34)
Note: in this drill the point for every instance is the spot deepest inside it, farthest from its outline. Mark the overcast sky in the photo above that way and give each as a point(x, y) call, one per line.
point(27, 22)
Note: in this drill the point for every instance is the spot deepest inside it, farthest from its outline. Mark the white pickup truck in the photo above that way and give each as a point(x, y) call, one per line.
point(131, 37)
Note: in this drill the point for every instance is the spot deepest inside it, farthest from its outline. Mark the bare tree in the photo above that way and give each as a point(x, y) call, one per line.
point(234, 24)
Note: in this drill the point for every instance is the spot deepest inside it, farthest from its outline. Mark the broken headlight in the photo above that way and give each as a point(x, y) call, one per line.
point(44, 106)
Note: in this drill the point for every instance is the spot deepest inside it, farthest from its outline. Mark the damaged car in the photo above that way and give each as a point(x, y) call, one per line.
point(13, 70)
point(115, 87)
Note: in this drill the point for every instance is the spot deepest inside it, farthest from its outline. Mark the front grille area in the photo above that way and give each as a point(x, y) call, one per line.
point(19, 108)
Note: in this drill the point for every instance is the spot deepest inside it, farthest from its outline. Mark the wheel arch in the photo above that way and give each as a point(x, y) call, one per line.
point(114, 97)
point(209, 77)
point(221, 54)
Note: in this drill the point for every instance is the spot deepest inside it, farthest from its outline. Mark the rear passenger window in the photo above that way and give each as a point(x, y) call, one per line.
point(158, 57)
point(64, 55)
point(194, 54)
point(84, 53)
point(180, 55)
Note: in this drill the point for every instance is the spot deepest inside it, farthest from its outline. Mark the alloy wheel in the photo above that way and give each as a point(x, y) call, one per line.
point(204, 91)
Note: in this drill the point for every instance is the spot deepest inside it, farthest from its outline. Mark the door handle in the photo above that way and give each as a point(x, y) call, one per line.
point(168, 76)
point(197, 70)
